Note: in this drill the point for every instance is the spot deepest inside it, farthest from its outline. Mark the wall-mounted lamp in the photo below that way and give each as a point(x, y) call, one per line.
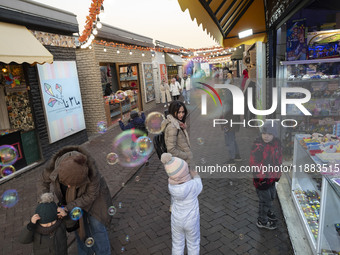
point(245, 33)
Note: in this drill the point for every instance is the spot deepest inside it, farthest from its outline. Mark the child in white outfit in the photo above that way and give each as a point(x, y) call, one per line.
point(184, 187)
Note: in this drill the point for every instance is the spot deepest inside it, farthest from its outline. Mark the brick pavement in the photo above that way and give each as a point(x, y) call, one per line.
point(228, 206)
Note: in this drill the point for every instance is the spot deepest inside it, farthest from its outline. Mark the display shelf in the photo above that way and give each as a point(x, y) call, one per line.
point(319, 225)
point(311, 61)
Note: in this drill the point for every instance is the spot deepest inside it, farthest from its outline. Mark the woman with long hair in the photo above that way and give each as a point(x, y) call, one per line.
point(176, 135)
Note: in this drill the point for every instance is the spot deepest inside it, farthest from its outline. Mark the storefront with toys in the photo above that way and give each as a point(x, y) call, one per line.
point(40, 102)
point(303, 52)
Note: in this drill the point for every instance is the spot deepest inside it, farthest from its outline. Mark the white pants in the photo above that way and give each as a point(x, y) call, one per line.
point(189, 231)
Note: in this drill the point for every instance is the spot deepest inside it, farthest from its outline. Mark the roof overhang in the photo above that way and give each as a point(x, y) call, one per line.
point(224, 19)
point(19, 46)
point(172, 59)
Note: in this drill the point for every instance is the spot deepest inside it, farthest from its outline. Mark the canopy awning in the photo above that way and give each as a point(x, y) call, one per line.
point(172, 59)
point(224, 19)
point(19, 45)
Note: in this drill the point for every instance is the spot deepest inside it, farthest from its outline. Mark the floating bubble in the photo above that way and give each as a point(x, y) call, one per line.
point(120, 205)
point(200, 141)
point(7, 170)
point(231, 183)
point(112, 210)
point(203, 161)
point(89, 242)
point(76, 213)
point(125, 145)
point(101, 127)
point(241, 236)
point(8, 155)
point(9, 198)
point(127, 238)
point(144, 146)
point(153, 122)
point(112, 158)
point(137, 179)
point(122, 249)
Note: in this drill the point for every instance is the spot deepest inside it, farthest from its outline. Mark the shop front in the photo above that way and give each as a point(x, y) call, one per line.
point(25, 124)
point(304, 53)
point(116, 77)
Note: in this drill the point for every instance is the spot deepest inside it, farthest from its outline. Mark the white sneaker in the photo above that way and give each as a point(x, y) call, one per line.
point(184, 101)
point(165, 105)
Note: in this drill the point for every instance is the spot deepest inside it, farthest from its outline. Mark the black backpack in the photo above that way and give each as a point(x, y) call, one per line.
point(159, 143)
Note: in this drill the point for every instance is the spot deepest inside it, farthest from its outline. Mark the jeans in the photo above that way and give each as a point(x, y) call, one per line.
point(97, 231)
point(186, 95)
point(175, 98)
point(230, 141)
point(266, 198)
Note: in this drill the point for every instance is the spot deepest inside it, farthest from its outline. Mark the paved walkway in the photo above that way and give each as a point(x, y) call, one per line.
point(228, 205)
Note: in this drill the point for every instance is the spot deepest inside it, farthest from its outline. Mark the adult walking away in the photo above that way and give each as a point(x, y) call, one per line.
point(76, 182)
point(175, 133)
point(165, 93)
point(266, 152)
point(175, 89)
point(186, 86)
point(230, 129)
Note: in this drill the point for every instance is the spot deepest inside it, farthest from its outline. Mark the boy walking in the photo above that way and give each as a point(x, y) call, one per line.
point(45, 230)
point(265, 153)
point(184, 187)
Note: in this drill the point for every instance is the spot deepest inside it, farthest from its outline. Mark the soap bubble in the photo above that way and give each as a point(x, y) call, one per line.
point(144, 146)
point(203, 161)
point(112, 210)
point(89, 242)
point(112, 158)
point(76, 213)
point(200, 141)
point(101, 127)
point(125, 145)
point(8, 155)
point(241, 236)
point(127, 238)
point(153, 122)
point(123, 184)
point(7, 170)
point(137, 179)
point(9, 198)
point(120, 205)
point(122, 249)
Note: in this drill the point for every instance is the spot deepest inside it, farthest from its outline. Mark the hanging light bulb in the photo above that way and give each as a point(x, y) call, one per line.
point(152, 54)
point(118, 51)
point(4, 70)
point(104, 49)
point(130, 52)
point(95, 31)
point(143, 54)
point(90, 47)
point(91, 37)
point(99, 25)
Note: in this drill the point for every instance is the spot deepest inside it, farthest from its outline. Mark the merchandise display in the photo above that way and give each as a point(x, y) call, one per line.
point(316, 190)
point(323, 82)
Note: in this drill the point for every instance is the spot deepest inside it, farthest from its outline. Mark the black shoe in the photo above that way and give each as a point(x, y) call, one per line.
point(271, 216)
point(238, 158)
point(230, 162)
point(269, 225)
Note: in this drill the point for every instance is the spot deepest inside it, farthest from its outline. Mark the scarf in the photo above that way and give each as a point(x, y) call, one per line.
point(47, 230)
point(175, 122)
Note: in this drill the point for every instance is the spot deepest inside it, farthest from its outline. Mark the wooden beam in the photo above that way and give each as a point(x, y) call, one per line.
point(220, 7)
point(212, 16)
point(226, 12)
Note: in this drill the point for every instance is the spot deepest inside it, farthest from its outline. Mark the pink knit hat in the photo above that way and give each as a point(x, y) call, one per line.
point(176, 168)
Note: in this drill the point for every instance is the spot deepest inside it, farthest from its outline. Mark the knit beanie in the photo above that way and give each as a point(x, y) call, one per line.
point(270, 127)
point(176, 168)
point(72, 169)
point(47, 209)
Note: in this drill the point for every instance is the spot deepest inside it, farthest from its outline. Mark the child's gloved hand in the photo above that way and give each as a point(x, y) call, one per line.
point(35, 218)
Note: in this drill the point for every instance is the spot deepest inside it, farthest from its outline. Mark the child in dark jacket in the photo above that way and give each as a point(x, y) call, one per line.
point(135, 122)
point(45, 230)
point(266, 156)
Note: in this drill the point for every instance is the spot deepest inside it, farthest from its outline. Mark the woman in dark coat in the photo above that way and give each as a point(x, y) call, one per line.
point(77, 182)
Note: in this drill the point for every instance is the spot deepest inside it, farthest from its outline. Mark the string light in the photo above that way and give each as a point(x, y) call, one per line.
point(99, 25)
point(130, 52)
point(118, 51)
point(104, 49)
point(143, 54)
point(95, 31)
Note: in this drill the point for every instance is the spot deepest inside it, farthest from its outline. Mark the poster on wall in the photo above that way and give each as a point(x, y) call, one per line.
point(61, 99)
point(164, 75)
point(323, 44)
point(148, 82)
point(296, 41)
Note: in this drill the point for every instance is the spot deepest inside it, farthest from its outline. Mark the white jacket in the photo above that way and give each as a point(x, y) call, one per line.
point(185, 216)
point(175, 89)
point(187, 84)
